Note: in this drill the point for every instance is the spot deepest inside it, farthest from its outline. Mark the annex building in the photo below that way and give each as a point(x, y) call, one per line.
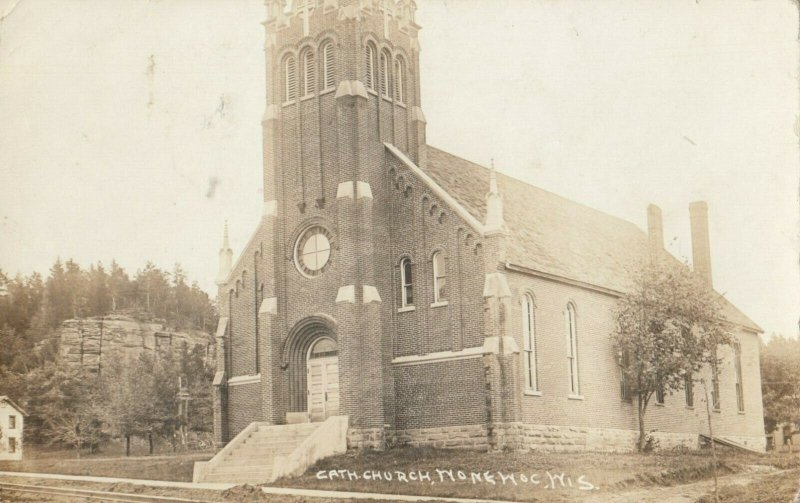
point(425, 297)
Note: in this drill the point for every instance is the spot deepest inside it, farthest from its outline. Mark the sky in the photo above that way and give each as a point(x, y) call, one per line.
point(130, 129)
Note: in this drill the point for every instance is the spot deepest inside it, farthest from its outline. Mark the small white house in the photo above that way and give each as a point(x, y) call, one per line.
point(12, 423)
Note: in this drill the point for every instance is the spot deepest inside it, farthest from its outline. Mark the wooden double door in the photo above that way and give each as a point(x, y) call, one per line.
point(323, 382)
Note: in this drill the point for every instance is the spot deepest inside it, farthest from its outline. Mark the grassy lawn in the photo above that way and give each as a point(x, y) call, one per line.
point(537, 476)
point(781, 487)
point(108, 463)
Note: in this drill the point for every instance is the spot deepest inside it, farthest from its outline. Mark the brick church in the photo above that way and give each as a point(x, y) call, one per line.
point(425, 297)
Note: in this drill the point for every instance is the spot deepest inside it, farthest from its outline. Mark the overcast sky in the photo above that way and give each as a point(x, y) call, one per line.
point(131, 129)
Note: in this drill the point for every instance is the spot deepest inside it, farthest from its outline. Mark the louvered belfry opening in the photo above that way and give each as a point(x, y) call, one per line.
point(301, 338)
point(329, 66)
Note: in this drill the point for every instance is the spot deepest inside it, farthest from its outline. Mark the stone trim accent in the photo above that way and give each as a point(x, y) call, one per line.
point(496, 285)
point(271, 113)
point(346, 293)
point(269, 306)
point(351, 88)
point(442, 356)
point(270, 209)
point(345, 189)
point(363, 190)
point(219, 378)
point(222, 326)
point(249, 379)
point(371, 295)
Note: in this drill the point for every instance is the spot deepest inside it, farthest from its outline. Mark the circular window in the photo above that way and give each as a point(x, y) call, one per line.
point(313, 251)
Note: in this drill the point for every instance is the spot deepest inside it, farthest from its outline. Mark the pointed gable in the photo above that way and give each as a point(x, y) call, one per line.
point(551, 234)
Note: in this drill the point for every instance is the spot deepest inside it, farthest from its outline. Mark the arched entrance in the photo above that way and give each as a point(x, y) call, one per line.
point(322, 369)
point(311, 362)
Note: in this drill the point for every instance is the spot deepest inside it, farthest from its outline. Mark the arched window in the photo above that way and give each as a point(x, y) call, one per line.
point(386, 85)
point(572, 349)
point(371, 79)
point(328, 67)
point(308, 85)
point(399, 80)
point(529, 343)
point(406, 283)
point(439, 278)
point(290, 79)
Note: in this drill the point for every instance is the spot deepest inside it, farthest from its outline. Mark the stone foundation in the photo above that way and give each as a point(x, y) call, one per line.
point(454, 437)
point(366, 438)
point(525, 437)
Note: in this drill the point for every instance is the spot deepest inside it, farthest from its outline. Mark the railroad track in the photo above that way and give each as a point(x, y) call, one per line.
point(7, 488)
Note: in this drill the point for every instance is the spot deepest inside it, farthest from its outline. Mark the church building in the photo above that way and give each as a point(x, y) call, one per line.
point(427, 298)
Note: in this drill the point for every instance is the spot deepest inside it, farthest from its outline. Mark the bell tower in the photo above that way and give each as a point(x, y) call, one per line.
point(342, 80)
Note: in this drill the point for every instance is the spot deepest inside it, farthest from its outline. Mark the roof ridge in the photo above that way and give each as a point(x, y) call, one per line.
point(518, 180)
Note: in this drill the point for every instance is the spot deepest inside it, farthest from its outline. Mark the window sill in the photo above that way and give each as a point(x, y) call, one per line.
point(307, 97)
point(400, 104)
point(690, 407)
point(742, 413)
point(327, 91)
point(530, 392)
point(658, 404)
point(441, 303)
point(716, 410)
point(407, 309)
point(287, 103)
point(372, 91)
point(574, 397)
point(386, 98)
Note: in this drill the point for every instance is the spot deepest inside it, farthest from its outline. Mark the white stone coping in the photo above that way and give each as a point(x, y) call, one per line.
point(269, 306)
point(270, 208)
point(371, 295)
point(222, 326)
point(407, 309)
point(362, 190)
point(248, 379)
point(346, 293)
point(351, 88)
point(574, 397)
point(442, 356)
point(496, 285)
point(532, 392)
point(437, 189)
point(491, 345)
point(441, 303)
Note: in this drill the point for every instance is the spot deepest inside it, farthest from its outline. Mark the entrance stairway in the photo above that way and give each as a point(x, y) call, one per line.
point(263, 452)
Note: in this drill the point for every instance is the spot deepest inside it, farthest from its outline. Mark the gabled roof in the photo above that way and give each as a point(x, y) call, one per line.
point(4, 398)
point(551, 234)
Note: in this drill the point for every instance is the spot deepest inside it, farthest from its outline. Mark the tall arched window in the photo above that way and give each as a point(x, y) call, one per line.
point(399, 80)
point(572, 349)
point(529, 343)
point(308, 84)
point(328, 67)
point(371, 79)
point(406, 283)
point(290, 79)
point(386, 84)
point(439, 278)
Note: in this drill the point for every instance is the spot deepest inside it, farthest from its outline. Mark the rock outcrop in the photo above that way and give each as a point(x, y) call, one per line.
point(86, 341)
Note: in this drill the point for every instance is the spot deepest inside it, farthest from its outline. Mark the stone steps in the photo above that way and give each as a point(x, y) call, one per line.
point(250, 456)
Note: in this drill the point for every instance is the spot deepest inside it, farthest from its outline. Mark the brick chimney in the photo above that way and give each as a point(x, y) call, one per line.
point(655, 229)
point(701, 249)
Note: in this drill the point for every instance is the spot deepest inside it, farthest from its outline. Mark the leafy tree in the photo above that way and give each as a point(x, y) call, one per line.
point(99, 293)
point(667, 325)
point(780, 381)
point(119, 287)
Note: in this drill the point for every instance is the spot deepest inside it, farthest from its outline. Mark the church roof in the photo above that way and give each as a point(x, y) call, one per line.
point(551, 234)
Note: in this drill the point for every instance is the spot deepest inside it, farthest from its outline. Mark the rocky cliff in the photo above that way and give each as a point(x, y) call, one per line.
point(86, 341)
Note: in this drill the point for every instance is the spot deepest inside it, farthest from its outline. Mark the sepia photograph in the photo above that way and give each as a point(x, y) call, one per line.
point(400, 250)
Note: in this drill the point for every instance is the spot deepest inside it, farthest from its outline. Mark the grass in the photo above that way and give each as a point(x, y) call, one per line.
point(559, 476)
point(110, 462)
point(781, 487)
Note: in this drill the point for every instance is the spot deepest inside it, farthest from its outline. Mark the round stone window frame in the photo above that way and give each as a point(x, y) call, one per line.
point(302, 238)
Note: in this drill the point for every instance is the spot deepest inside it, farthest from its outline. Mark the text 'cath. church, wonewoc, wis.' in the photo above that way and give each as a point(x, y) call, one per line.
point(427, 298)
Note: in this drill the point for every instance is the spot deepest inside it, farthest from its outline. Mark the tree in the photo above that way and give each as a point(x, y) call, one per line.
point(99, 293)
point(780, 381)
point(668, 327)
